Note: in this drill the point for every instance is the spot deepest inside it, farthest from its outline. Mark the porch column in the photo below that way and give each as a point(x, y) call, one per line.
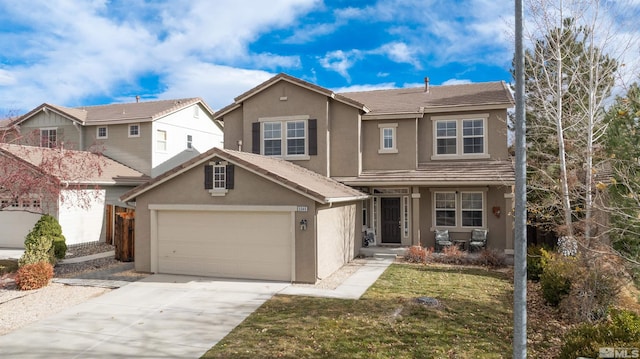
point(509, 223)
point(415, 217)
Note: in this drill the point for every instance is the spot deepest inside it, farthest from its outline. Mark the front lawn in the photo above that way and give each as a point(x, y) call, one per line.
point(473, 320)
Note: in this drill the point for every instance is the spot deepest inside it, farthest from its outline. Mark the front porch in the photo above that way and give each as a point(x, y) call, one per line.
point(383, 251)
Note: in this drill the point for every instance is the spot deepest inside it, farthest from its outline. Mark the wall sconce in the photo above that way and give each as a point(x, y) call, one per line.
point(496, 211)
point(303, 224)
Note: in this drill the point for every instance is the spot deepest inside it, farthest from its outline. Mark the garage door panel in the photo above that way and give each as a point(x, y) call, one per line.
point(256, 245)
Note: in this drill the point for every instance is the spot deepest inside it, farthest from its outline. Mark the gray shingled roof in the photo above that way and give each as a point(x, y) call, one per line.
point(417, 100)
point(144, 111)
point(319, 188)
point(441, 173)
point(70, 165)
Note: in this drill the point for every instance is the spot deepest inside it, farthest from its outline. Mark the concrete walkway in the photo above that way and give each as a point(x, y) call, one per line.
point(353, 287)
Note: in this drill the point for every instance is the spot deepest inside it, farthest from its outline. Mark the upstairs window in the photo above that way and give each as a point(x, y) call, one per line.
point(161, 141)
point(292, 137)
point(48, 137)
point(134, 130)
point(189, 142)
point(218, 178)
point(388, 138)
point(460, 137)
point(102, 132)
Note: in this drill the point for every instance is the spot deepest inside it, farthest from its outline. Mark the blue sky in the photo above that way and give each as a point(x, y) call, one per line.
point(76, 53)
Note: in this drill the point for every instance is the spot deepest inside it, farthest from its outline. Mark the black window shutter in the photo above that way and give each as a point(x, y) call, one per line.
point(229, 177)
point(208, 177)
point(255, 137)
point(313, 137)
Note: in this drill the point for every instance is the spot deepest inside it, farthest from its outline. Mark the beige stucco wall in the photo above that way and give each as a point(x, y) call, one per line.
point(498, 236)
point(134, 152)
point(496, 134)
point(344, 139)
point(405, 158)
point(337, 235)
point(249, 189)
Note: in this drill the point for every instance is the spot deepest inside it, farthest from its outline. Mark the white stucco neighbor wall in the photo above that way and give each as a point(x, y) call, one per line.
point(81, 215)
point(14, 227)
point(198, 124)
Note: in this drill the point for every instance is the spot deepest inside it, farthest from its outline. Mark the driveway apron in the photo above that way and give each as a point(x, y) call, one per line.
point(161, 316)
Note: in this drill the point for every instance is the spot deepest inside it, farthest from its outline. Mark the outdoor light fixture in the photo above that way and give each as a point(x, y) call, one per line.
point(303, 224)
point(496, 211)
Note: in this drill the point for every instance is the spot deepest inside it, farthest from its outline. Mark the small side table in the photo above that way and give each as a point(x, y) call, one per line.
point(461, 243)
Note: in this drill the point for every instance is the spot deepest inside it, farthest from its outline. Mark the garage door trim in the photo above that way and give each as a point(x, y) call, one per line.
point(154, 208)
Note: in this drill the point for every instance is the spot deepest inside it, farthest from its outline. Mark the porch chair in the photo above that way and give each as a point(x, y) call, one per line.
point(442, 239)
point(478, 239)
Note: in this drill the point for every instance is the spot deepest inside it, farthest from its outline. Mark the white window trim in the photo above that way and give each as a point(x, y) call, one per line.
point(158, 140)
point(219, 191)
point(106, 133)
point(459, 136)
point(458, 227)
point(283, 135)
point(48, 129)
point(190, 143)
point(393, 127)
point(129, 130)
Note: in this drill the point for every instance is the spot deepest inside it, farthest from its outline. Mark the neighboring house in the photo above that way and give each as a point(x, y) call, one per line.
point(80, 206)
point(427, 158)
point(149, 136)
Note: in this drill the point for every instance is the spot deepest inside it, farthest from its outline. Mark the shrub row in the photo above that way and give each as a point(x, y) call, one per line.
point(453, 255)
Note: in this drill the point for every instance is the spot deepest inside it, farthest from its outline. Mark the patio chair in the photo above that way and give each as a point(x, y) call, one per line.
point(478, 239)
point(442, 239)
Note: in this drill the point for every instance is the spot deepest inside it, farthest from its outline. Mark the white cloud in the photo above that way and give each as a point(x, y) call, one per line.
point(340, 61)
point(456, 82)
point(6, 78)
point(400, 52)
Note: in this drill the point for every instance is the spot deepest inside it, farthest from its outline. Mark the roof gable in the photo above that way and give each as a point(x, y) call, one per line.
point(57, 163)
point(145, 111)
point(293, 80)
point(296, 178)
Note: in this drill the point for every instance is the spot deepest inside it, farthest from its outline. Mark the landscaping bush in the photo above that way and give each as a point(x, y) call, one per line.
point(595, 286)
point(418, 254)
point(34, 276)
point(621, 330)
point(555, 280)
point(48, 226)
point(536, 256)
point(492, 258)
point(38, 250)
point(453, 255)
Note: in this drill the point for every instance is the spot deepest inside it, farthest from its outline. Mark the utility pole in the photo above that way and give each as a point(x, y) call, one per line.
point(520, 215)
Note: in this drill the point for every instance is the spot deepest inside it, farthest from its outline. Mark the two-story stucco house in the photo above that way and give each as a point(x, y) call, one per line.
point(148, 137)
point(399, 163)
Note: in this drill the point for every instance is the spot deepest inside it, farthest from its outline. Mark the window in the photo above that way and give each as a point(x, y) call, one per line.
point(134, 130)
point(388, 138)
point(102, 132)
point(294, 134)
point(36, 203)
point(189, 142)
point(15, 203)
point(4, 203)
point(161, 141)
point(26, 204)
point(219, 177)
point(459, 209)
point(445, 209)
point(471, 208)
point(460, 137)
point(405, 215)
point(295, 138)
point(48, 137)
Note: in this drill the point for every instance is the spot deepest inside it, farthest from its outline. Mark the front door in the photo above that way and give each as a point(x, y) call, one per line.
point(390, 213)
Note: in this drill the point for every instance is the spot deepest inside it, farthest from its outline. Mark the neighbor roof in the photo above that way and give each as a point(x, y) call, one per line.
point(299, 179)
point(294, 80)
point(418, 100)
point(437, 174)
point(145, 111)
point(71, 165)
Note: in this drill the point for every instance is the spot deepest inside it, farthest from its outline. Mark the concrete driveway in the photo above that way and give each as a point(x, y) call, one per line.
point(161, 316)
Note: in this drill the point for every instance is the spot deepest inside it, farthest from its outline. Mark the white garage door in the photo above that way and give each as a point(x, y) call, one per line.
point(236, 244)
